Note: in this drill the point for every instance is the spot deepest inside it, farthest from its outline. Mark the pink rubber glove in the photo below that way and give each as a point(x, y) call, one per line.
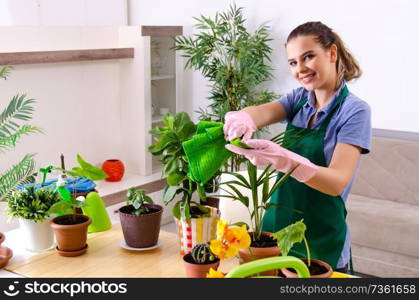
point(265, 152)
point(238, 124)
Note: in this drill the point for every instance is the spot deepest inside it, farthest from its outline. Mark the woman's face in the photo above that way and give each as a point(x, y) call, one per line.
point(312, 65)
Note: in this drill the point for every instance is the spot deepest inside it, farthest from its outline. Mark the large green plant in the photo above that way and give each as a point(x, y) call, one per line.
point(177, 129)
point(31, 203)
point(20, 108)
point(234, 61)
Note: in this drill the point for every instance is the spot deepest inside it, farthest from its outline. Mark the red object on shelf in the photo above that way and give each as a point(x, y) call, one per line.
point(114, 168)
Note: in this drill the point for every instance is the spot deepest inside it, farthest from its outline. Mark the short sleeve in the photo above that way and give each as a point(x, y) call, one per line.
point(356, 130)
point(289, 101)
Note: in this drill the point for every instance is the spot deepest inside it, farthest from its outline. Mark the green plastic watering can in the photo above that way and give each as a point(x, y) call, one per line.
point(270, 263)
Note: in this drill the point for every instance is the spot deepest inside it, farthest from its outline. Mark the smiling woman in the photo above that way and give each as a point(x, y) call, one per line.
point(334, 129)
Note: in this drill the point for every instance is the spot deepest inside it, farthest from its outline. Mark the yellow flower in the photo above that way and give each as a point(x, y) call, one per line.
point(229, 240)
point(215, 274)
point(222, 226)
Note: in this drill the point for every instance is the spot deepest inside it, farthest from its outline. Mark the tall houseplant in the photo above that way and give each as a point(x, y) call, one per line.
point(178, 129)
point(234, 61)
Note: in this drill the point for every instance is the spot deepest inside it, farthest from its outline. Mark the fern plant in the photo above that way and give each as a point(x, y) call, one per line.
point(20, 108)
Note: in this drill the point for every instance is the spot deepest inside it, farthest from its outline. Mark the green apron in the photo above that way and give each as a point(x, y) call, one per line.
point(323, 214)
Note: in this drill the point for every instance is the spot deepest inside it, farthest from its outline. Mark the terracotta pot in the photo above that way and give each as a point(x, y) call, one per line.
point(258, 253)
point(327, 274)
point(141, 231)
point(114, 168)
point(2, 238)
point(198, 270)
point(5, 255)
point(71, 238)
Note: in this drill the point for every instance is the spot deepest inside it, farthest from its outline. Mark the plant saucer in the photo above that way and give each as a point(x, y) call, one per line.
point(122, 244)
point(72, 253)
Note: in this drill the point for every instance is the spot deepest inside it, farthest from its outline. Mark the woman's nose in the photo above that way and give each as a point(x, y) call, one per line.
point(301, 67)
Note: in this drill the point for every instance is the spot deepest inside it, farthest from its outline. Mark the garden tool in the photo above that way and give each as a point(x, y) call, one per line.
point(95, 209)
point(44, 172)
point(206, 152)
point(270, 263)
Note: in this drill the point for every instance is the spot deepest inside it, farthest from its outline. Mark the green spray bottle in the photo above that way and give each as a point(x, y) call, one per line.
point(95, 209)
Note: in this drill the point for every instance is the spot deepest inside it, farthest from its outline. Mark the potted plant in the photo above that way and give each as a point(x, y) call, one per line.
point(71, 227)
point(19, 109)
point(31, 207)
point(177, 129)
point(233, 60)
point(263, 244)
point(295, 233)
point(140, 219)
point(200, 261)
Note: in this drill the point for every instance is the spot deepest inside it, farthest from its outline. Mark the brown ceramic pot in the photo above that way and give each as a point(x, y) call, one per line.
point(326, 266)
point(198, 270)
point(2, 238)
point(5, 255)
point(141, 231)
point(71, 238)
point(258, 253)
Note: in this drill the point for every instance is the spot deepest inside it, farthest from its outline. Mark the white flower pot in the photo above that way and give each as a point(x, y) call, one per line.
point(38, 236)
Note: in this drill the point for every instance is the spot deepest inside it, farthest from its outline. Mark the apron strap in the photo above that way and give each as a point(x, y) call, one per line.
point(351, 265)
point(329, 116)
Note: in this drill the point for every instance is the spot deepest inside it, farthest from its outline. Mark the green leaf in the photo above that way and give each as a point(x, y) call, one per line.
point(169, 193)
point(288, 236)
point(175, 178)
point(176, 210)
point(87, 170)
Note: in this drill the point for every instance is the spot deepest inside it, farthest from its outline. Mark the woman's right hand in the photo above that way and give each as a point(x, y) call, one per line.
point(238, 124)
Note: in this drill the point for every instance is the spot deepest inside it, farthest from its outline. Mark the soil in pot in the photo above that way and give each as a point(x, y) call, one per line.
point(71, 233)
point(317, 268)
point(211, 201)
point(141, 231)
point(264, 247)
point(194, 270)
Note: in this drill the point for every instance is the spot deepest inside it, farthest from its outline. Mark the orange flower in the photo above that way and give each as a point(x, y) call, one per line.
point(229, 240)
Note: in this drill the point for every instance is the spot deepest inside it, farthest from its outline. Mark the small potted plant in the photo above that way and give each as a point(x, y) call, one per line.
point(140, 219)
point(263, 243)
point(295, 233)
point(31, 207)
point(177, 129)
point(70, 227)
point(200, 261)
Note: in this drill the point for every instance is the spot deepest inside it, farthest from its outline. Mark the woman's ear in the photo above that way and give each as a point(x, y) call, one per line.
point(333, 53)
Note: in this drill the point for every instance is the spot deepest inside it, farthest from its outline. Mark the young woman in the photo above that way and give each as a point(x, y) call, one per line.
point(334, 129)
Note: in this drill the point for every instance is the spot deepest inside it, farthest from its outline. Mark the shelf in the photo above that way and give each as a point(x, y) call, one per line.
point(161, 77)
point(161, 30)
point(36, 57)
point(106, 188)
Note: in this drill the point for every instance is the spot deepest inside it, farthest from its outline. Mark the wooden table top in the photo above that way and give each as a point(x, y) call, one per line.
point(105, 258)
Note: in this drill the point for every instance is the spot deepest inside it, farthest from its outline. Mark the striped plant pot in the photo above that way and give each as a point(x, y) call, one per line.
point(197, 230)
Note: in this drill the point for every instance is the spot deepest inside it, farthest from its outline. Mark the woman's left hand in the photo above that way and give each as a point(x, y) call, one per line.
point(265, 152)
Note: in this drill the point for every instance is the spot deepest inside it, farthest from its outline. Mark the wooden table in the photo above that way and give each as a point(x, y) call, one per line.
point(105, 258)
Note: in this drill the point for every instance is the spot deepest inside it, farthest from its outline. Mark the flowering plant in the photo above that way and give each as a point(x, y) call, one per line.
point(228, 242)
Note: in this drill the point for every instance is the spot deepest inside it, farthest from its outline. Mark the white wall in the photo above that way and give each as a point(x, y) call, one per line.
point(63, 12)
point(382, 34)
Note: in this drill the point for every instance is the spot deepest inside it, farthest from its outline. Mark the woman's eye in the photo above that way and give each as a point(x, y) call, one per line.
point(292, 63)
point(308, 57)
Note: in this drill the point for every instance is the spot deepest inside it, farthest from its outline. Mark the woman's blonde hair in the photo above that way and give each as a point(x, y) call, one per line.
point(347, 67)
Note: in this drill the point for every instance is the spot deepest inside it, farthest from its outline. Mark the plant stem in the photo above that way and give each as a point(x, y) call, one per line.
point(308, 251)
